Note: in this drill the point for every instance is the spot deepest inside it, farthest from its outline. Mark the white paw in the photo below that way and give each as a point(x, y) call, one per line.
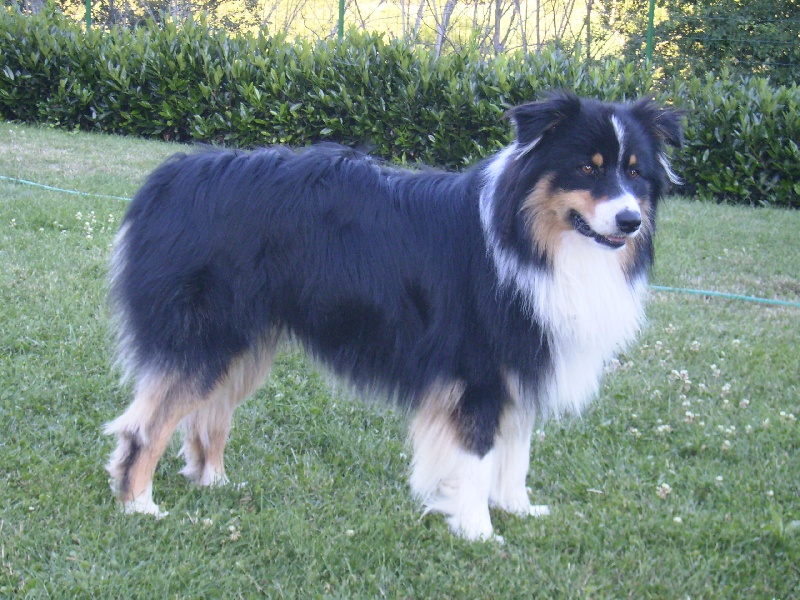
point(538, 510)
point(475, 529)
point(211, 478)
point(518, 503)
point(145, 506)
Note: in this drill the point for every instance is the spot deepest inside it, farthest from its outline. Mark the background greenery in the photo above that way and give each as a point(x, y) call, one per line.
point(753, 38)
point(190, 83)
point(681, 481)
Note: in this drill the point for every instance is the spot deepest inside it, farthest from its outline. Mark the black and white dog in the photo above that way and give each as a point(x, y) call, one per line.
point(479, 301)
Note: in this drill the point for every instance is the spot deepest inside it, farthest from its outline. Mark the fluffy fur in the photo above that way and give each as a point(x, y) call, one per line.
point(478, 301)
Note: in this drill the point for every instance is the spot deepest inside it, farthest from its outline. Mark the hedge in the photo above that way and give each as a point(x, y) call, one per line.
point(185, 82)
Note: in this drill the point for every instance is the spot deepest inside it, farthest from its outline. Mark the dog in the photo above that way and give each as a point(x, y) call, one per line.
point(480, 301)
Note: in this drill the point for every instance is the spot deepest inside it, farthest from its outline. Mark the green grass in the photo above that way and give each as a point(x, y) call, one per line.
point(326, 511)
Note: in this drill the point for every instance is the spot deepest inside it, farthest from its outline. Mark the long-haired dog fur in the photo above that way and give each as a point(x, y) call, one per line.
point(478, 301)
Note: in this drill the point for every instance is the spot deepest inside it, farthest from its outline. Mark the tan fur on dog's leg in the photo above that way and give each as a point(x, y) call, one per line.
point(143, 432)
point(206, 429)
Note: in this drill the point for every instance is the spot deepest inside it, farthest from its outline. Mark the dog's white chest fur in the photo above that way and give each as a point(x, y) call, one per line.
point(590, 313)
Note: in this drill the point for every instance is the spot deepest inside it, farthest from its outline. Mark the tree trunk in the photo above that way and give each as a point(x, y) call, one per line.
point(441, 29)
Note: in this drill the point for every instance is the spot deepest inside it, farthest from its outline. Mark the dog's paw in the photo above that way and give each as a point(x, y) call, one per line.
point(143, 506)
point(211, 478)
point(538, 510)
point(475, 528)
point(518, 503)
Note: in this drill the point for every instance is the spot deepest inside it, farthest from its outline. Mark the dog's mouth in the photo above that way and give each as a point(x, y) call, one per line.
point(581, 226)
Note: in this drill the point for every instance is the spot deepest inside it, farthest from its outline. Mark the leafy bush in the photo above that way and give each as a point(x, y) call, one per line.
point(741, 140)
point(184, 82)
point(188, 83)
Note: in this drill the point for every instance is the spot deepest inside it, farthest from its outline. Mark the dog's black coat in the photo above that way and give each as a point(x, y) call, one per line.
point(382, 274)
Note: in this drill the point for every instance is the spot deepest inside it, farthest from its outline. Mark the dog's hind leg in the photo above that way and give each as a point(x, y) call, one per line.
point(143, 432)
point(206, 428)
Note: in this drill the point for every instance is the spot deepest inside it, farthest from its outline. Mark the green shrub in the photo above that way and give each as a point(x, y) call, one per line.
point(741, 140)
point(185, 82)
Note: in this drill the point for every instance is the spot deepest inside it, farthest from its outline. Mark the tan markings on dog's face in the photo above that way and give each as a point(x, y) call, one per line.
point(546, 214)
point(632, 161)
point(597, 159)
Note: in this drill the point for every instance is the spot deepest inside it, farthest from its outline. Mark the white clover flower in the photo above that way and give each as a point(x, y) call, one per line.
point(678, 520)
point(726, 445)
point(695, 347)
point(726, 389)
point(664, 429)
point(736, 343)
point(663, 490)
point(744, 403)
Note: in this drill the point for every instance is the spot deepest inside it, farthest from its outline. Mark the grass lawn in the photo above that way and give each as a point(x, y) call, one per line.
point(683, 480)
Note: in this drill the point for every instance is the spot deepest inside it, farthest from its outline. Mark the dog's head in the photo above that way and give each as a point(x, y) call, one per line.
point(586, 167)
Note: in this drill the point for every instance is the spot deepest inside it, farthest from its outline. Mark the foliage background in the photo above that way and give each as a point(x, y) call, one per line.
point(691, 38)
point(186, 81)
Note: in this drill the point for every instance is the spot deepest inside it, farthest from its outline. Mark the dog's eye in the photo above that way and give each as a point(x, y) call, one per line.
point(633, 173)
point(588, 169)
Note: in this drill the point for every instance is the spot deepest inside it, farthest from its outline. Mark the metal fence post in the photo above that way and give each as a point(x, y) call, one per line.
point(650, 18)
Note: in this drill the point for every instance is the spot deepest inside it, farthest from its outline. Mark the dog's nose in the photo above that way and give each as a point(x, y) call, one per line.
point(628, 220)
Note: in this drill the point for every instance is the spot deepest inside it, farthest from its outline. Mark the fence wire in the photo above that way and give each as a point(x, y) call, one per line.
point(748, 39)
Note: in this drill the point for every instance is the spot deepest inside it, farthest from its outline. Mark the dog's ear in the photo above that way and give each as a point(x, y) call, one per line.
point(664, 123)
point(534, 120)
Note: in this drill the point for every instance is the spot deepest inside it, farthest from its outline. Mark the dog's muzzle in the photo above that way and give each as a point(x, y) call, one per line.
point(627, 221)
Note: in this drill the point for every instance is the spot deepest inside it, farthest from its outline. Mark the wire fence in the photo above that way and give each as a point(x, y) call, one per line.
point(756, 44)
point(755, 38)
